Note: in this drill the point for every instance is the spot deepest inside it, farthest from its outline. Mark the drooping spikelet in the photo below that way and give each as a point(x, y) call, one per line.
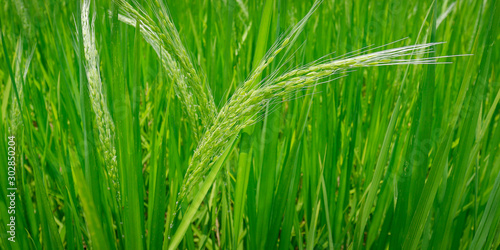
point(181, 87)
point(246, 103)
point(189, 84)
point(104, 122)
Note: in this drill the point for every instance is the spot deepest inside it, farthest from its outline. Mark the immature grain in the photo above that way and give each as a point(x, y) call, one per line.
point(246, 103)
point(190, 85)
point(181, 87)
point(104, 122)
point(199, 84)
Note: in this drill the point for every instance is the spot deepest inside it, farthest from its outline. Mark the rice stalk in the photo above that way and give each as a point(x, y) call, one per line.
point(15, 121)
point(20, 77)
point(190, 86)
point(246, 103)
point(199, 84)
point(181, 87)
point(104, 122)
point(250, 84)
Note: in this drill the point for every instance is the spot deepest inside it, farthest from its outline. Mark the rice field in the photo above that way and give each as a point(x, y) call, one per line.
point(241, 124)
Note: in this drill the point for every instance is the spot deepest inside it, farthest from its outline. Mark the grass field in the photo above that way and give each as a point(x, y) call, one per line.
point(242, 124)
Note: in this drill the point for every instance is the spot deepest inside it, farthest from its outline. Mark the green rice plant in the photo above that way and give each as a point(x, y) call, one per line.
point(104, 121)
point(16, 109)
point(246, 103)
point(190, 85)
point(243, 124)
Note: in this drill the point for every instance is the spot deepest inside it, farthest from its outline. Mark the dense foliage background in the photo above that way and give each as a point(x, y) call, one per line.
point(390, 156)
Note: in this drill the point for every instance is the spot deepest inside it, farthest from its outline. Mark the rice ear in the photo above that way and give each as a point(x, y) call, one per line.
point(246, 104)
point(189, 84)
point(105, 125)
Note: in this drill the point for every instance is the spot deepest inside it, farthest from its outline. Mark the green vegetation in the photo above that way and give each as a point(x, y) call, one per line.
point(242, 124)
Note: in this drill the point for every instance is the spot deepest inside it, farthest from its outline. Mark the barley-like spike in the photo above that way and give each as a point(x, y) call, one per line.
point(104, 122)
point(189, 85)
point(246, 104)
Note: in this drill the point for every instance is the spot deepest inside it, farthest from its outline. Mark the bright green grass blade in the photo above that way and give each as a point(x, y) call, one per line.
point(381, 162)
point(264, 198)
point(157, 178)
point(490, 218)
point(436, 172)
point(288, 181)
point(195, 204)
point(466, 154)
point(423, 137)
point(241, 189)
point(96, 232)
point(265, 23)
